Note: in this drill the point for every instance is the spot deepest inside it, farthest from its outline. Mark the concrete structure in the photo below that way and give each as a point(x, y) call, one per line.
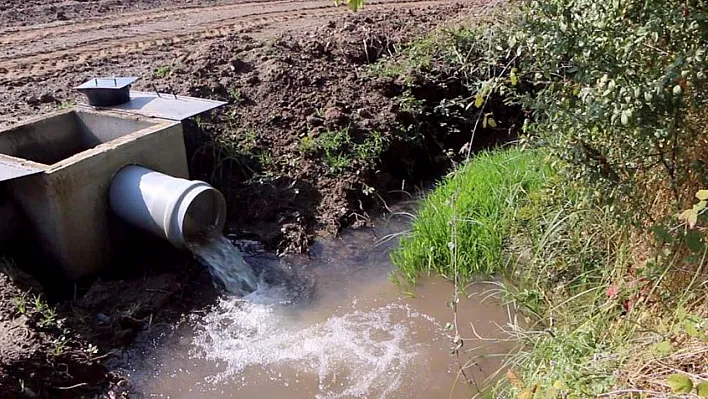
point(77, 153)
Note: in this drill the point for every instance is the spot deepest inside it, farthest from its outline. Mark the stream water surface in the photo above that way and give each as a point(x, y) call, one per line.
point(330, 325)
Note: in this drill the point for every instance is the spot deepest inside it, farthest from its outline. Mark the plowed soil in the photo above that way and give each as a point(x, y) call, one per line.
point(288, 69)
point(47, 58)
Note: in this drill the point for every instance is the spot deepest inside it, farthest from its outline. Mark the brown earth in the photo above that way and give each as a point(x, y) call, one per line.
point(293, 72)
point(290, 91)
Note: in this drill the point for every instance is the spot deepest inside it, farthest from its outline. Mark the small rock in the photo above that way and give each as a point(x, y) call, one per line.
point(248, 246)
point(334, 116)
point(364, 113)
point(314, 120)
point(32, 100)
point(47, 98)
point(103, 319)
point(253, 79)
point(61, 16)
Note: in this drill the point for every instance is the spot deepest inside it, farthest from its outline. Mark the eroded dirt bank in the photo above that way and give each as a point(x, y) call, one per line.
point(309, 142)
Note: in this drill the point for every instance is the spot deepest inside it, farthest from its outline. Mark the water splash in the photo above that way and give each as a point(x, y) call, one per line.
point(226, 265)
point(356, 354)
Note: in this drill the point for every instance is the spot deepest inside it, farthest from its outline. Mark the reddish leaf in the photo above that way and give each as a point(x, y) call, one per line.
point(612, 291)
point(628, 305)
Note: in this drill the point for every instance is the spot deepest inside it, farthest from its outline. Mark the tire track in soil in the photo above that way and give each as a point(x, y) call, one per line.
point(86, 34)
point(46, 13)
point(44, 31)
point(136, 33)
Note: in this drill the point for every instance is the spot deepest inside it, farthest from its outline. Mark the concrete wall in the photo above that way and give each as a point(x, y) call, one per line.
point(9, 217)
point(45, 141)
point(60, 135)
point(68, 204)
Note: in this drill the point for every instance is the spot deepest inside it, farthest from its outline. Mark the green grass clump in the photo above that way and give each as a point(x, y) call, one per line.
point(467, 217)
point(162, 71)
point(340, 152)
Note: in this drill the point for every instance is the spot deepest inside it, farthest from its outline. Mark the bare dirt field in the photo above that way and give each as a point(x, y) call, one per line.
point(288, 69)
point(41, 53)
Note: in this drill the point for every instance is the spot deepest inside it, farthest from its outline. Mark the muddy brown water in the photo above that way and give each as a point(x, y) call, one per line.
point(337, 328)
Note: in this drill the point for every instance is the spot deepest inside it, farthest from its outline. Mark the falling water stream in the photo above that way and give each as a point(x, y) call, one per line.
point(226, 265)
point(327, 326)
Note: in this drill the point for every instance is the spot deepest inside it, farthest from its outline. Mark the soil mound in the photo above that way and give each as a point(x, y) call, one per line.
point(297, 149)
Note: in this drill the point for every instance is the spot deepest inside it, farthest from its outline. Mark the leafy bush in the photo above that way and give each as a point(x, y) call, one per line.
point(465, 220)
point(614, 89)
point(619, 94)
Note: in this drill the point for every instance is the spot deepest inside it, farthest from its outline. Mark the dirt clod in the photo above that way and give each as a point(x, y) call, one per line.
point(334, 117)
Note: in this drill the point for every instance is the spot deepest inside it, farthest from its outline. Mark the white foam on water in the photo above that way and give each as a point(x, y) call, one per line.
point(356, 354)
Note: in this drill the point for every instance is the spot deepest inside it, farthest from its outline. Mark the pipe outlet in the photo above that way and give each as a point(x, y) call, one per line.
point(179, 210)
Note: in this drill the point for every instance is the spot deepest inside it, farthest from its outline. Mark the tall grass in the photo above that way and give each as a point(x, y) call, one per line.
point(481, 197)
point(604, 315)
point(563, 259)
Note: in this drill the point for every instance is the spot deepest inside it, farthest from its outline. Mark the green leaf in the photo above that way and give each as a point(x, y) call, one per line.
point(702, 389)
point(700, 206)
point(479, 100)
point(679, 383)
point(353, 5)
point(694, 241)
point(691, 329)
point(624, 117)
point(663, 348)
point(690, 216)
point(491, 122)
point(512, 76)
point(661, 234)
point(702, 195)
